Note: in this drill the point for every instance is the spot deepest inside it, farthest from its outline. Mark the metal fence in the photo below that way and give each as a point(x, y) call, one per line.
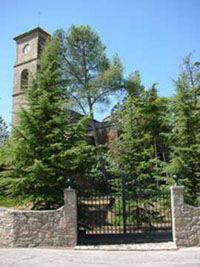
point(124, 212)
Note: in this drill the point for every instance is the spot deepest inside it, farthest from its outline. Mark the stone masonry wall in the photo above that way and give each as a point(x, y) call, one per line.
point(55, 228)
point(185, 219)
point(6, 228)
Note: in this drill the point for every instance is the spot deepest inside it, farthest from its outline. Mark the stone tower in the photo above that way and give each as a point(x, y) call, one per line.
point(29, 46)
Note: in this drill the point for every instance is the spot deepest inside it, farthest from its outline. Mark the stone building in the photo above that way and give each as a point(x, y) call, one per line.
point(28, 48)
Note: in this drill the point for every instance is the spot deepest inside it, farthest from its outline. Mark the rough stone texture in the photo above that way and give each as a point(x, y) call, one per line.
point(55, 228)
point(70, 209)
point(6, 228)
point(185, 220)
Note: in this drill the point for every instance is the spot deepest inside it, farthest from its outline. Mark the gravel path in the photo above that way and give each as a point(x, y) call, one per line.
point(59, 258)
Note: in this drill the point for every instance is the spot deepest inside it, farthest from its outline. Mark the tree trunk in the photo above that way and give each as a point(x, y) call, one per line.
point(96, 141)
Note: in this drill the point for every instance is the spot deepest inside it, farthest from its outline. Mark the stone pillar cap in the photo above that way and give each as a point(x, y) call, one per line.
point(69, 189)
point(177, 186)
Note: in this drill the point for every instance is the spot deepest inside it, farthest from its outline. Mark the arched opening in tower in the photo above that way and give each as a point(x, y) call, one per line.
point(24, 79)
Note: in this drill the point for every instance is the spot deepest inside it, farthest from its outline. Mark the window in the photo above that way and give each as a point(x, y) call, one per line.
point(24, 79)
point(26, 49)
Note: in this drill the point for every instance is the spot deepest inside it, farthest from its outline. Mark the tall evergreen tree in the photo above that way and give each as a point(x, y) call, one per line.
point(143, 122)
point(185, 157)
point(144, 127)
point(48, 145)
point(92, 77)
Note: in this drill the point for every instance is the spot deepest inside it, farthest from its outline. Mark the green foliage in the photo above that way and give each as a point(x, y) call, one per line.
point(91, 75)
point(185, 156)
point(3, 139)
point(47, 145)
point(3, 131)
point(144, 123)
point(7, 202)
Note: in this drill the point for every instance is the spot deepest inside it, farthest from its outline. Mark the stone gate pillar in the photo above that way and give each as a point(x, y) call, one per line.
point(185, 220)
point(177, 203)
point(70, 210)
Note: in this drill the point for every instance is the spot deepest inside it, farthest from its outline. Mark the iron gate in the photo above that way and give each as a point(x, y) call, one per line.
point(123, 211)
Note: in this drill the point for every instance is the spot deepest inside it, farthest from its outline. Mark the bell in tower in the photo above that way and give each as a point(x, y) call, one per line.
point(29, 46)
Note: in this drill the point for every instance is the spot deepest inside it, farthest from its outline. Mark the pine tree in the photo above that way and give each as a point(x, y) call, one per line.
point(143, 152)
point(92, 77)
point(47, 146)
point(144, 124)
point(185, 157)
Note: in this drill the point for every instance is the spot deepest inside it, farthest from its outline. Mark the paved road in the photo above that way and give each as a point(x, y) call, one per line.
point(59, 258)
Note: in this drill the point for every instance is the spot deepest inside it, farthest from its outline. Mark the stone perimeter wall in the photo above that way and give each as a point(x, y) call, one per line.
point(57, 228)
point(6, 228)
point(185, 220)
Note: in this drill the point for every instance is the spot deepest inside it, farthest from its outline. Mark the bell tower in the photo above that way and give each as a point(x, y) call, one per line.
point(28, 48)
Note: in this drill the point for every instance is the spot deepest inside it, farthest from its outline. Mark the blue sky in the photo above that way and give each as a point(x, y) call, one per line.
point(149, 35)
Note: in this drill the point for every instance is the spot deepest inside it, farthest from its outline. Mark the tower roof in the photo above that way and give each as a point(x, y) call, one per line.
point(35, 30)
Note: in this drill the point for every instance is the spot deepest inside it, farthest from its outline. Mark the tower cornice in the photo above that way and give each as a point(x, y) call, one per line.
point(35, 30)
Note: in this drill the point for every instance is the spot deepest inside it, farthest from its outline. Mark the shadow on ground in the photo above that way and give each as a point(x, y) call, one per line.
point(134, 238)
